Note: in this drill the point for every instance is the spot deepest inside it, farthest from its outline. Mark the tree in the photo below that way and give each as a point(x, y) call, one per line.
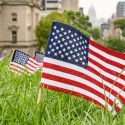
point(123, 32)
point(79, 21)
point(44, 27)
point(115, 44)
point(95, 33)
point(120, 23)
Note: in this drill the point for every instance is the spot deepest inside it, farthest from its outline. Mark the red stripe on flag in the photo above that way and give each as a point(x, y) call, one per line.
point(16, 66)
point(20, 68)
point(103, 68)
point(34, 62)
point(109, 61)
point(115, 93)
point(16, 69)
point(106, 50)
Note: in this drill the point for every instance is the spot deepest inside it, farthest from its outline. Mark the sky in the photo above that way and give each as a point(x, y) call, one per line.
point(104, 8)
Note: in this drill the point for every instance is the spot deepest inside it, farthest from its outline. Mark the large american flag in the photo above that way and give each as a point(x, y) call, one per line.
point(77, 65)
point(21, 62)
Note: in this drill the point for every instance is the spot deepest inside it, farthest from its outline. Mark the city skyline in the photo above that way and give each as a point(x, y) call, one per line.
point(104, 8)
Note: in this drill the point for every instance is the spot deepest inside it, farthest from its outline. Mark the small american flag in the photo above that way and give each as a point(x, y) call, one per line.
point(39, 56)
point(21, 62)
point(77, 65)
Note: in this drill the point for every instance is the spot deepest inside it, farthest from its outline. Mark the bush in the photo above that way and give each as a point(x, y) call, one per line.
point(116, 44)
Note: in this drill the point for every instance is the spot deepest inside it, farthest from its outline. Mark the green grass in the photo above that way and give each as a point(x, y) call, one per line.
point(18, 96)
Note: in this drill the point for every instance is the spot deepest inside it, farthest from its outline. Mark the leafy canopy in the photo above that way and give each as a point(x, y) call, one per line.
point(120, 23)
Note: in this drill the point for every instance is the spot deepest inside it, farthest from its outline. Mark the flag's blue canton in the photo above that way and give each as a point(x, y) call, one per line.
point(68, 44)
point(20, 57)
point(39, 56)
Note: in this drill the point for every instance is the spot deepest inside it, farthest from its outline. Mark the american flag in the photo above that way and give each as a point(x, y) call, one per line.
point(77, 65)
point(39, 57)
point(21, 62)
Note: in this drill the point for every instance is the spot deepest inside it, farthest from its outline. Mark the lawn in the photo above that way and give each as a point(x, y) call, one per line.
point(18, 97)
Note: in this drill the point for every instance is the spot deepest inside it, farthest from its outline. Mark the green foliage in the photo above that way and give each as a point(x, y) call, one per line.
point(74, 19)
point(95, 33)
point(123, 32)
point(120, 23)
point(115, 44)
point(77, 20)
point(18, 95)
point(44, 27)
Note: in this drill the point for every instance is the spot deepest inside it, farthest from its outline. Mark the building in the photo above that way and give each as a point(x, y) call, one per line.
point(112, 32)
point(49, 6)
point(104, 26)
point(81, 10)
point(92, 15)
point(70, 5)
point(18, 19)
point(53, 5)
point(120, 10)
point(109, 30)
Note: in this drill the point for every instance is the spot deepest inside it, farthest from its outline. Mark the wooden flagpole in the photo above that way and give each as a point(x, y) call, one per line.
point(40, 90)
point(39, 96)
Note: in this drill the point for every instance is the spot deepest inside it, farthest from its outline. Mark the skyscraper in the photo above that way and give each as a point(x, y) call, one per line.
point(120, 11)
point(92, 15)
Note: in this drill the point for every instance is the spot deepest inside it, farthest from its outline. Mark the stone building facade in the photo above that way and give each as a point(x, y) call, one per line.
point(49, 6)
point(18, 19)
point(72, 5)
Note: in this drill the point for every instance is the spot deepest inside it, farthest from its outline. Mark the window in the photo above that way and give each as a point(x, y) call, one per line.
point(14, 36)
point(43, 4)
point(52, 1)
point(14, 17)
point(52, 8)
